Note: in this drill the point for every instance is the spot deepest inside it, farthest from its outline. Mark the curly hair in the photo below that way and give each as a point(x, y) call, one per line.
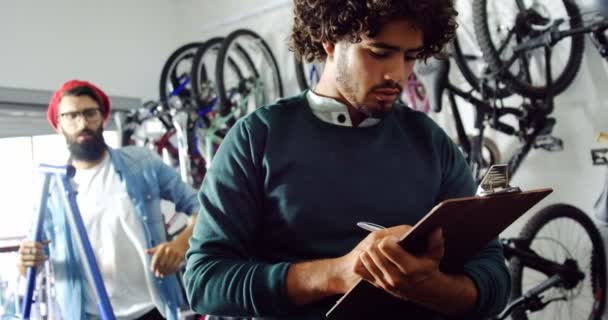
point(316, 21)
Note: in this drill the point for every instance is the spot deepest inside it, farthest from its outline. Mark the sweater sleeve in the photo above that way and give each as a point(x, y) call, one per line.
point(487, 269)
point(222, 276)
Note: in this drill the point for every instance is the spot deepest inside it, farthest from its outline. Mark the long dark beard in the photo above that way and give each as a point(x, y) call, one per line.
point(88, 150)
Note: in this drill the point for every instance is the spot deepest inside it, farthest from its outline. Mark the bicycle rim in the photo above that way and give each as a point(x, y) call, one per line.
point(469, 57)
point(176, 72)
point(556, 233)
point(495, 19)
point(262, 80)
point(470, 65)
point(203, 71)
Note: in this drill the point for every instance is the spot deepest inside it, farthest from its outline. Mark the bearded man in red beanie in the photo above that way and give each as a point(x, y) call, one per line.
point(118, 194)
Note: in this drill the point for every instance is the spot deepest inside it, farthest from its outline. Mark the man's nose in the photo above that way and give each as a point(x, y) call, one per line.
point(398, 72)
point(81, 122)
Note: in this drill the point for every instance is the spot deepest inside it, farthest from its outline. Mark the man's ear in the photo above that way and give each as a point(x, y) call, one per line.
point(329, 48)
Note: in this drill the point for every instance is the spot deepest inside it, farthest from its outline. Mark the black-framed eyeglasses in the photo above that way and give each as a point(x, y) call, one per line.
point(90, 114)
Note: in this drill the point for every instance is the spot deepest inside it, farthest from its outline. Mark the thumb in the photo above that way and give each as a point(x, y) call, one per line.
point(45, 242)
point(151, 250)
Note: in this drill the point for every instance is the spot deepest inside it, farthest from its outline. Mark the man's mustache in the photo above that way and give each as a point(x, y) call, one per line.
point(86, 132)
point(391, 85)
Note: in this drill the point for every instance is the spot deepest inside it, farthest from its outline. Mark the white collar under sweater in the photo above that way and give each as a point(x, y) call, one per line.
point(334, 112)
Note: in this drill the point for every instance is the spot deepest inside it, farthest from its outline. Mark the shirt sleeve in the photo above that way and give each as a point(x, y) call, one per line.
point(221, 276)
point(172, 188)
point(487, 269)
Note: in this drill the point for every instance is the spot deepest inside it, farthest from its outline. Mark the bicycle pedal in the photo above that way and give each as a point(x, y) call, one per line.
point(549, 143)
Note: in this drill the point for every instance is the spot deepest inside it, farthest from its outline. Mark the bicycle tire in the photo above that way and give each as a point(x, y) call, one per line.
point(225, 104)
point(167, 75)
point(200, 74)
point(490, 52)
point(597, 275)
point(472, 79)
point(493, 152)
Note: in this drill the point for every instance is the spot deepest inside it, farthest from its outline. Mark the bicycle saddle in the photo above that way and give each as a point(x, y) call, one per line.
point(433, 73)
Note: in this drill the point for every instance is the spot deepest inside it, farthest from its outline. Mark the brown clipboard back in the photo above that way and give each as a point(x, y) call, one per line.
point(468, 225)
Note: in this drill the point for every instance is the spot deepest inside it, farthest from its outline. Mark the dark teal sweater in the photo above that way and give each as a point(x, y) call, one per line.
point(285, 187)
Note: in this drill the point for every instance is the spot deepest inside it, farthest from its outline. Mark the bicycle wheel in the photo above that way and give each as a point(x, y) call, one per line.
point(203, 72)
point(175, 76)
point(472, 67)
point(469, 57)
point(557, 233)
point(261, 77)
point(308, 74)
point(500, 25)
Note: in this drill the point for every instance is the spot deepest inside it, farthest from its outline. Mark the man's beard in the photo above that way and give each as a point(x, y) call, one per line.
point(348, 83)
point(90, 149)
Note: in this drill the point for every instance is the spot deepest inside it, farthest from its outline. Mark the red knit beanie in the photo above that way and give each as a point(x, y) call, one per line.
point(51, 113)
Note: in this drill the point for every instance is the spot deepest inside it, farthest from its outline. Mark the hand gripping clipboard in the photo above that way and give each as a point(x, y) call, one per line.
point(468, 224)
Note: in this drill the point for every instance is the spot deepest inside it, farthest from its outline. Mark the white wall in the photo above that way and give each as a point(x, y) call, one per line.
point(119, 45)
point(271, 19)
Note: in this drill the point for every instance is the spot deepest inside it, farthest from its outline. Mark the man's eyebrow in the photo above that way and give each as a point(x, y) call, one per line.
point(386, 46)
point(414, 50)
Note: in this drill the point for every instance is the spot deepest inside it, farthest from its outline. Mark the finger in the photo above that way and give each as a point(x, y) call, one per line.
point(32, 261)
point(372, 269)
point(390, 273)
point(29, 264)
point(26, 247)
point(31, 257)
point(40, 245)
point(151, 250)
point(173, 262)
point(167, 259)
point(413, 266)
point(154, 262)
point(29, 247)
point(360, 270)
point(393, 252)
point(171, 268)
point(31, 254)
point(164, 260)
point(176, 263)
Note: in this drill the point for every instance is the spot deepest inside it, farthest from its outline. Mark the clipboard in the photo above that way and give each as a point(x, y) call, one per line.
point(468, 224)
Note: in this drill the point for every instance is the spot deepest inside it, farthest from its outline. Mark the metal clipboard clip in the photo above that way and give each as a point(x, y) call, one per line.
point(496, 181)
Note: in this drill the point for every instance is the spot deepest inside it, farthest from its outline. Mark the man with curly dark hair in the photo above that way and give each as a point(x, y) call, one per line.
point(281, 200)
